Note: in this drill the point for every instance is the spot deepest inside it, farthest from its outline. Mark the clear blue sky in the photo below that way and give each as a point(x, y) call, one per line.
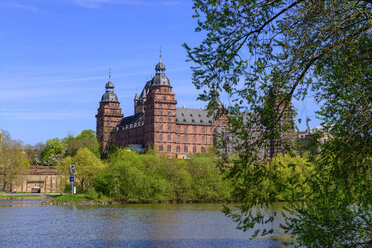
point(55, 56)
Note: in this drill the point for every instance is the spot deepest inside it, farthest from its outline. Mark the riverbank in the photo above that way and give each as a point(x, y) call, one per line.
point(10, 196)
point(92, 198)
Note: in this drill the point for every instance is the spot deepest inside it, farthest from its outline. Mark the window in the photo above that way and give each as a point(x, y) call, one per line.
point(185, 149)
point(178, 139)
point(194, 139)
point(178, 149)
point(161, 119)
point(202, 149)
point(185, 139)
point(185, 129)
point(161, 112)
point(169, 119)
point(169, 137)
point(203, 140)
point(168, 148)
point(194, 129)
point(169, 112)
point(164, 98)
point(211, 140)
point(161, 148)
point(169, 106)
point(165, 90)
point(194, 149)
point(161, 127)
point(178, 129)
point(161, 137)
point(203, 129)
point(169, 127)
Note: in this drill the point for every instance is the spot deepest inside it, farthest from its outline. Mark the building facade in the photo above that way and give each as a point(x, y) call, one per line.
point(157, 121)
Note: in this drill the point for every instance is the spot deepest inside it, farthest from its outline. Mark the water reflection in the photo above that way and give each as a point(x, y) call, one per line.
point(150, 225)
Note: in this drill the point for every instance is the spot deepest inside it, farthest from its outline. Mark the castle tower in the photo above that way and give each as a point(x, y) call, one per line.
point(285, 135)
point(109, 115)
point(160, 112)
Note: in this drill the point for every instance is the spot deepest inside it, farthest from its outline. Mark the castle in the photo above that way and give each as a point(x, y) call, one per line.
point(157, 121)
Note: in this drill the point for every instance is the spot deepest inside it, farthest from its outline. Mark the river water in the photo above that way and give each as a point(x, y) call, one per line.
point(24, 223)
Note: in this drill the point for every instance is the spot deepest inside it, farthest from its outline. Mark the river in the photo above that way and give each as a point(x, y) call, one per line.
point(25, 223)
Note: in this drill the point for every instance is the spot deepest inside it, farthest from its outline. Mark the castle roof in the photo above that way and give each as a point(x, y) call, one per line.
point(136, 120)
point(193, 116)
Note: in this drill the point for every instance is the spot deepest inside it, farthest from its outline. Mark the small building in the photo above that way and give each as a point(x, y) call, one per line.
point(39, 179)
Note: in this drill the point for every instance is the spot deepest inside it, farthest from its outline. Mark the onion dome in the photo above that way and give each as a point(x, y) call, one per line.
point(109, 85)
point(160, 67)
point(109, 95)
point(160, 78)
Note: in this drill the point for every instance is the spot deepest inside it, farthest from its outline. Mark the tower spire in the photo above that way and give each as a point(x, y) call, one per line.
point(160, 55)
point(109, 74)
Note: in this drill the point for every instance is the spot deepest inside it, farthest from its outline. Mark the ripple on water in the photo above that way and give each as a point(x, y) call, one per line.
point(161, 225)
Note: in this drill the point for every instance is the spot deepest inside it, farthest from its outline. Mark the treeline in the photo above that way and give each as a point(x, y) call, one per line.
point(131, 177)
point(151, 177)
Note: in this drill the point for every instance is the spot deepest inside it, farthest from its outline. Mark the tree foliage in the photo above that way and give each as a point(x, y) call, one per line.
point(87, 138)
point(87, 167)
point(53, 152)
point(265, 52)
point(13, 161)
point(150, 177)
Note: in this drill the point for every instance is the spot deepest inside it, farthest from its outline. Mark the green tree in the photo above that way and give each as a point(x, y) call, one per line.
point(33, 153)
point(53, 152)
point(87, 139)
point(87, 167)
point(266, 52)
point(13, 161)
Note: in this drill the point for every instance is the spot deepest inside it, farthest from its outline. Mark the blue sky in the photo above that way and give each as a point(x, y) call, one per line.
point(55, 56)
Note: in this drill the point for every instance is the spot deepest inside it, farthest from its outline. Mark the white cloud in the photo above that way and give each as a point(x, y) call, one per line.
point(20, 6)
point(47, 115)
point(100, 3)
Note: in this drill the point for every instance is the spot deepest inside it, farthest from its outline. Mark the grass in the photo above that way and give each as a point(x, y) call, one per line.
point(90, 196)
point(21, 196)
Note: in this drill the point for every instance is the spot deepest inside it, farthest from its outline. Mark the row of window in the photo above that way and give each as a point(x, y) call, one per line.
point(168, 105)
point(161, 119)
point(161, 112)
point(186, 139)
point(185, 129)
point(178, 148)
point(169, 127)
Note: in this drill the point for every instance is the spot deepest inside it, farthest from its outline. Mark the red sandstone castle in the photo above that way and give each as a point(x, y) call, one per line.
point(157, 121)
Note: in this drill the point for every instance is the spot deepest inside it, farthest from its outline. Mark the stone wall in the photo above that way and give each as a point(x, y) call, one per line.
point(45, 179)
